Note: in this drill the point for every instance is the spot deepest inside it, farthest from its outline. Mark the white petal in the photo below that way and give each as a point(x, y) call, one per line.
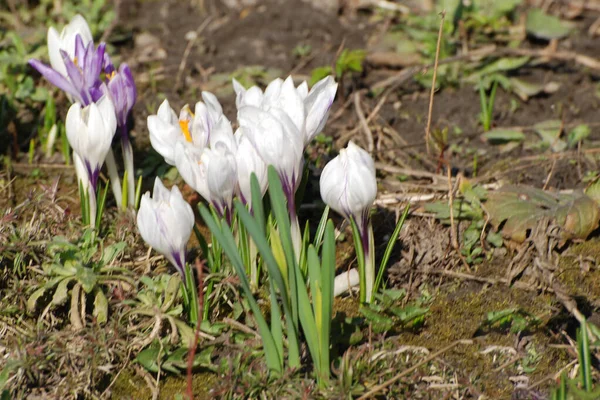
point(79, 25)
point(302, 90)
point(248, 161)
point(160, 192)
point(109, 117)
point(291, 102)
point(222, 174)
point(192, 167)
point(167, 114)
point(222, 132)
point(317, 105)
point(54, 47)
point(75, 127)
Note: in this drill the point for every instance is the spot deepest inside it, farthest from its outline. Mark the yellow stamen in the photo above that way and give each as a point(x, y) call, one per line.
point(186, 130)
point(75, 60)
point(111, 75)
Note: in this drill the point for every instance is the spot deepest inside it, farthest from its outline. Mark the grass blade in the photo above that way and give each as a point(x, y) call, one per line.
point(390, 247)
point(360, 258)
point(225, 237)
point(585, 363)
point(321, 229)
point(275, 275)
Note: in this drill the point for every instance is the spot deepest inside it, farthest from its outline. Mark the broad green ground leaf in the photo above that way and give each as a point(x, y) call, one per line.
point(525, 89)
point(100, 307)
point(499, 136)
point(577, 134)
point(61, 293)
point(32, 301)
point(518, 209)
point(544, 26)
point(549, 131)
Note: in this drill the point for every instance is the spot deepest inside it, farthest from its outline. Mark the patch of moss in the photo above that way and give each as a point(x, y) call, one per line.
point(458, 313)
point(577, 281)
point(131, 386)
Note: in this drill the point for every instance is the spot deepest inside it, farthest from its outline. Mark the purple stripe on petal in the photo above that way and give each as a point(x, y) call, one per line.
point(80, 49)
point(54, 77)
point(179, 262)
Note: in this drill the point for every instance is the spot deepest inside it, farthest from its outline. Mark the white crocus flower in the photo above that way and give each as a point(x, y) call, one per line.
point(348, 185)
point(90, 131)
point(249, 161)
point(66, 41)
point(308, 110)
point(165, 222)
point(276, 139)
point(212, 172)
point(166, 128)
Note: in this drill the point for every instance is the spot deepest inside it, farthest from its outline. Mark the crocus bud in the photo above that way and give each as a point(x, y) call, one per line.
point(123, 92)
point(348, 183)
point(90, 131)
point(66, 41)
point(165, 222)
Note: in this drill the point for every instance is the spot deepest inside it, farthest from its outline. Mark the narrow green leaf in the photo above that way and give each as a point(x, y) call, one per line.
point(225, 237)
point(125, 190)
point(279, 208)
point(360, 258)
point(327, 279)
point(258, 210)
point(389, 248)
point(101, 202)
point(321, 229)
point(585, 363)
point(138, 193)
point(274, 274)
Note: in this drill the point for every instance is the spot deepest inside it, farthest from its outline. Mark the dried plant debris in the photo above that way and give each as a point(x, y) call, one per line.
point(516, 210)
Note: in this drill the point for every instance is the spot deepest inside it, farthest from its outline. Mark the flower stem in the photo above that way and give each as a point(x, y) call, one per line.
point(294, 225)
point(113, 174)
point(369, 251)
point(92, 204)
point(128, 160)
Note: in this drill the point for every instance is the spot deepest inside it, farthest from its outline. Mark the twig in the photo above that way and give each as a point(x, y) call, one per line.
point(188, 50)
point(435, 67)
point(114, 22)
point(241, 327)
point(552, 376)
point(481, 279)
point(433, 356)
point(453, 230)
point(363, 123)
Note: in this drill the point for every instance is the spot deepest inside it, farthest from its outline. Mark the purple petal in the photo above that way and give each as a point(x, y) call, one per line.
point(54, 77)
point(80, 49)
point(107, 65)
point(130, 84)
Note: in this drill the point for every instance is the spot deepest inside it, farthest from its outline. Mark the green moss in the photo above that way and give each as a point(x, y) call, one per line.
point(131, 386)
point(577, 281)
point(458, 313)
